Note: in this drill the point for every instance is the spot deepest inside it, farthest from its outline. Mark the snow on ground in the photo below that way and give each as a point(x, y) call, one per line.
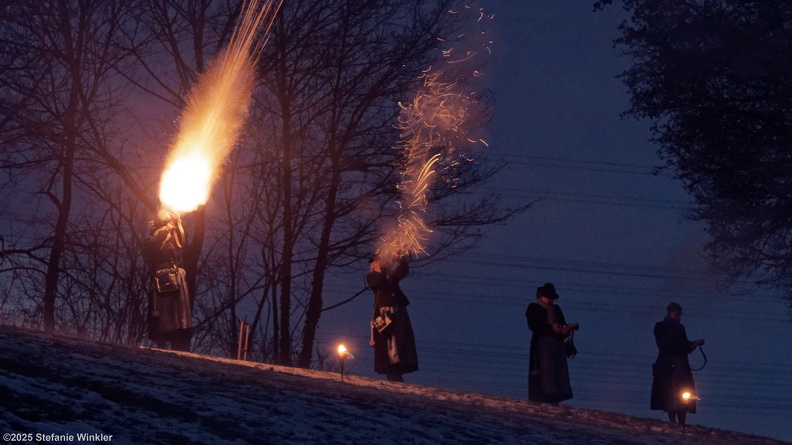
point(56, 388)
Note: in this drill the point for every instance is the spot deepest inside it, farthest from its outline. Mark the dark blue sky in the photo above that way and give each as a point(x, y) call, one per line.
point(608, 233)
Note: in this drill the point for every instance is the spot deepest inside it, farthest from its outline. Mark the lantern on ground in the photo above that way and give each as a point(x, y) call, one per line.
point(342, 352)
point(686, 398)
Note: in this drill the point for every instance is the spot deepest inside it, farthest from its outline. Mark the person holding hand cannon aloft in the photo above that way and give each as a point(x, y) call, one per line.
point(170, 308)
point(391, 330)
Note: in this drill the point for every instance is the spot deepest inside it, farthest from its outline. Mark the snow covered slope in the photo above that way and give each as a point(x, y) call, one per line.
point(62, 390)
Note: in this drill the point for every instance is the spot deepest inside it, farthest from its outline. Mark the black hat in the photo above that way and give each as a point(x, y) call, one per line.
point(548, 290)
point(674, 307)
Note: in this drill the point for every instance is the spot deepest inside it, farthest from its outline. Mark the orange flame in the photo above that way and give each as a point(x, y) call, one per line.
point(216, 110)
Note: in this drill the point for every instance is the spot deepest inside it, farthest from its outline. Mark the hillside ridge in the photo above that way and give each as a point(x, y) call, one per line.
point(63, 385)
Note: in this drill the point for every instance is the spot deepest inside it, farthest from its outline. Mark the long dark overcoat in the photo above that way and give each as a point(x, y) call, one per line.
point(548, 373)
point(168, 312)
point(394, 349)
point(671, 370)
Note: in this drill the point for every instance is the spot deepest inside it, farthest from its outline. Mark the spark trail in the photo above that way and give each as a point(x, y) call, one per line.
point(434, 126)
point(216, 110)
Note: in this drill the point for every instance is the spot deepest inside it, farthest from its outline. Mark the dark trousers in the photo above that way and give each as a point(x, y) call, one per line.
point(180, 340)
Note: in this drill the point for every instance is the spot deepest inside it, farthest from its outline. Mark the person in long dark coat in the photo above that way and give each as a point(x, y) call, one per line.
point(672, 375)
point(170, 307)
point(548, 373)
point(394, 348)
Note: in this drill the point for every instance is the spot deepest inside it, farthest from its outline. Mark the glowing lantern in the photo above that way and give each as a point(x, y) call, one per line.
point(687, 397)
point(342, 353)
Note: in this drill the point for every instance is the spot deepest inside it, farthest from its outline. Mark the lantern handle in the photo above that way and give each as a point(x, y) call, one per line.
point(701, 348)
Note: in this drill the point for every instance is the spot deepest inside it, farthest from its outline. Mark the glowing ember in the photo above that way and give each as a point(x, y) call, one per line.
point(216, 110)
point(433, 127)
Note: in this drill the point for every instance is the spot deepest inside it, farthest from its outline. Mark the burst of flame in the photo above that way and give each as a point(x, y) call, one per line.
point(215, 112)
point(185, 184)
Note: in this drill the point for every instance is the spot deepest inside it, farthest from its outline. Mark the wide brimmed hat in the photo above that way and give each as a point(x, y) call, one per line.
point(548, 290)
point(674, 307)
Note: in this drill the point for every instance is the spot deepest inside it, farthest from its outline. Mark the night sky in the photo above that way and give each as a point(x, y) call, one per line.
point(608, 233)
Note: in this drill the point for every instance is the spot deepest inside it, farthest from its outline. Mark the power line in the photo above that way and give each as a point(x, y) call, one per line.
point(594, 199)
point(495, 369)
point(594, 386)
point(569, 265)
point(582, 164)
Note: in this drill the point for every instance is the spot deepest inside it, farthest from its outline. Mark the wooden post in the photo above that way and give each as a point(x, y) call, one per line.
point(247, 339)
point(239, 344)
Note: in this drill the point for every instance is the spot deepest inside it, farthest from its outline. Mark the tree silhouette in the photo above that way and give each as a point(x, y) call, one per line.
point(58, 106)
point(716, 80)
point(301, 197)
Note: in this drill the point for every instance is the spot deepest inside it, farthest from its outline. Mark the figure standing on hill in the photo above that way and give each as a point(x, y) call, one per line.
point(548, 374)
point(672, 375)
point(170, 305)
point(391, 330)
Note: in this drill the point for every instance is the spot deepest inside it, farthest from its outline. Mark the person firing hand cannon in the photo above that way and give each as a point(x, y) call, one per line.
point(170, 307)
point(391, 330)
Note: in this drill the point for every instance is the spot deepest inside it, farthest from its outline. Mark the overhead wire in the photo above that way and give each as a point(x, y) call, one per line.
point(498, 370)
point(583, 164)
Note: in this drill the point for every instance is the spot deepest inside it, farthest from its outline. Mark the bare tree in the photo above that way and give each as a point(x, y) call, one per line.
point(58, 62)
point(332, 77)
point(302, 196)
point(714, 79)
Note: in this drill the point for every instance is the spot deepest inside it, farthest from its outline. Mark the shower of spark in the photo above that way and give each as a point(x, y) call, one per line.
point(434, 126)
point(216, 109)
point(430, 125)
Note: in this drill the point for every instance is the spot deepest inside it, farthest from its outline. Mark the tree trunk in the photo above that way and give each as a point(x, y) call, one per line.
point(58, 239)
point(315, 304)
point(192, 250)
point(288, 235)
point(69, 146)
